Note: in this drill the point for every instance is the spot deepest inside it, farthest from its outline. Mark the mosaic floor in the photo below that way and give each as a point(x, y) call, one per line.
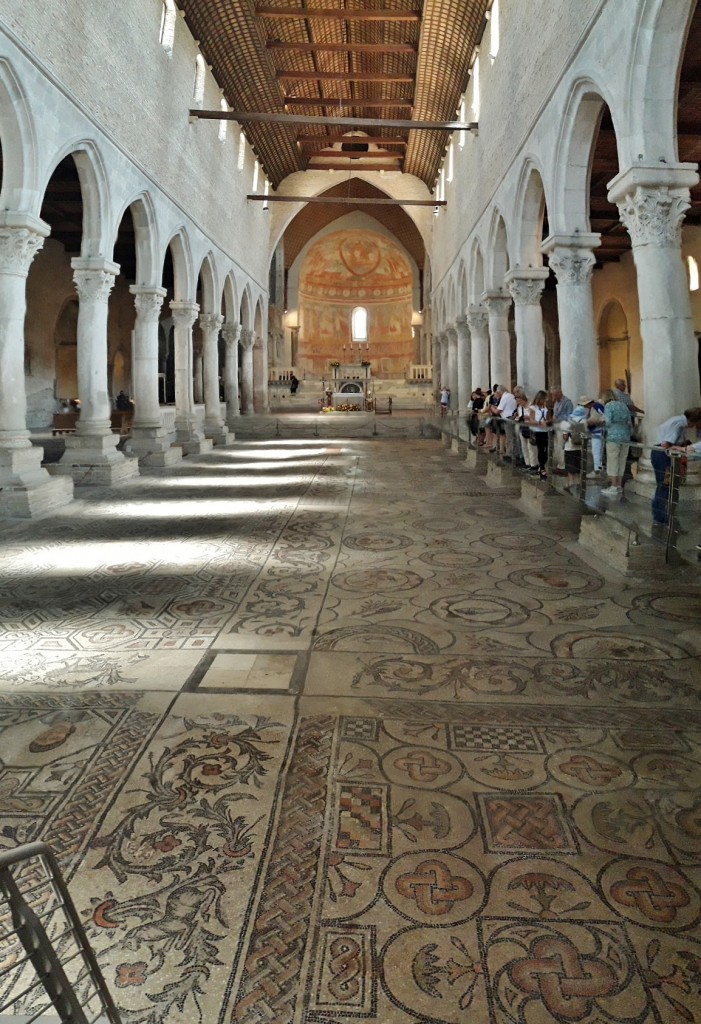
point(323, 733)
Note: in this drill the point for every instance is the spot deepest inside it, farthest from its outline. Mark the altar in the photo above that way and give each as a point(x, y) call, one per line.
point(350, 388)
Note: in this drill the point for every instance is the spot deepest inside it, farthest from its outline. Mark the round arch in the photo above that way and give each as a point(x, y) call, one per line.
point(208, 284)
point(94, 189)
point(654, 80)
point(569, 206)
point(183, 287)
point(531, 207)
point(230, 302)
point(146, 237)
point(17, 134)
point(614, 343)
point(498, 252)
point(245, 314)
point(477, 287)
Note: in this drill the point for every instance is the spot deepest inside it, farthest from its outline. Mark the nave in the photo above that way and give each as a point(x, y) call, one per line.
point(320, 732)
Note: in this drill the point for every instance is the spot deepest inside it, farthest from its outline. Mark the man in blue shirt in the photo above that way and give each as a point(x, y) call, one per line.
point(670, 434)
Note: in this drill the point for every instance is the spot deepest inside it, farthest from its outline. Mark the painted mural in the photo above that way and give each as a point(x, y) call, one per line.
point(344, 270)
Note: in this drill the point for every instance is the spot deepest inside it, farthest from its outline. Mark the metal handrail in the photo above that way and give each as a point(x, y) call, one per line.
point(41, 950)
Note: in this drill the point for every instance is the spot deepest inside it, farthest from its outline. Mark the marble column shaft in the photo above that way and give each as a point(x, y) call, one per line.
point(452, 349)
point(464, 365)
point(499, 338)
point(184, 316)
point(231, 333)
point(148, 303)
point(572, 265)
point(247, 342)
point(478, 322)
point(526, 291)
point(210, 325)
point(21, 238)
point(653, 218)
point(94, 280)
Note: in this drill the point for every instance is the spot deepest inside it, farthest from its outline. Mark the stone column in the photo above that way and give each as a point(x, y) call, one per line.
point(464, 365)
point(453, 383)
point(149, 440)
point(436, 361)
point(189, 433)
point(26, 489)
point(197, 377)
point(231, 333)
point(526, 288)
point(247, 341)
point(652, 202)
point(261, 391)
point(499, 339)
point(91, 455)
point(478, 323)
point(572, 261)
point(210, 325)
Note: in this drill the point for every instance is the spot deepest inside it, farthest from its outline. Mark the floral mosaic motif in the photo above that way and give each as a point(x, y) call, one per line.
point(461, 971)
point(673, 983)
point(547, 894)
point(455, 677)
point(182, 836)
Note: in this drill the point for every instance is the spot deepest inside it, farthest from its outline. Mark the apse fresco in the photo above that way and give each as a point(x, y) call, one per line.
point(348, 269)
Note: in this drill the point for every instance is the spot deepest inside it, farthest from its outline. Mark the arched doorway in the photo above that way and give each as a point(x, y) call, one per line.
point(614, 344)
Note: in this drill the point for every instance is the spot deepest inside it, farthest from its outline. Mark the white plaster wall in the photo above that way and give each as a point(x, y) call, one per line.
point(119, 91)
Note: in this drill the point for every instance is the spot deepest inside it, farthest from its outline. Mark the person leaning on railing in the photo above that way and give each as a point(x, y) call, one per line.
point(671, 436)
point(619, 426)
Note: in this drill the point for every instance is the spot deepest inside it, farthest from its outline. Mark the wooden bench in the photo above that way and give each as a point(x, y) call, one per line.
point(64, 423)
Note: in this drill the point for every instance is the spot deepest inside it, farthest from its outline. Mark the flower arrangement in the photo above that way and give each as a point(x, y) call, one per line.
point(366, 362)
point(334, 362)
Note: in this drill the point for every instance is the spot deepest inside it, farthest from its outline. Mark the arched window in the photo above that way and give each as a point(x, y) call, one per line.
point(223, 125)
point(256, 171)
point(198, 92)
point(463, 115)
point(242, 152)
point(168, 17)
point(494, 30)
point(693, 267)
point(359, 324)
point(451, 162)
point(476, 88)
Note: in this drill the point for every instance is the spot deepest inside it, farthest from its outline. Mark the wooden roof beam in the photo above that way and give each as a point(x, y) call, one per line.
point(245, 116)
point(336, 101)
point(339, 154)
point(347, 200)
point(341, 76)
point(326, 140)
point(341, 166)
point(334, 14)
point(275, 44)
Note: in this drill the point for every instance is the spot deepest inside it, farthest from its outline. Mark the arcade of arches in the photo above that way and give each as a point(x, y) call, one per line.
point(324, 722)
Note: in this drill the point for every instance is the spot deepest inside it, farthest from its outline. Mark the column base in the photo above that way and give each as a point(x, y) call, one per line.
point(152, 448)
point(94, 460)
point(476, 460)
point(219, 434)
point(620, 546)
point(547, 505)
point(643, 484)
point(195, 445)
point(502, 478)
point(459, 446)
point(27, 491)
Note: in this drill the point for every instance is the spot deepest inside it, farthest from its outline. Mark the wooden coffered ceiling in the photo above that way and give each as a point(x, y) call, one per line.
point(384, 60)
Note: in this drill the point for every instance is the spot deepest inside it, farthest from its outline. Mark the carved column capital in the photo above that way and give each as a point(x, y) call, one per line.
point(572, 265)
point(211, 322)
point(477, 318)
point(654, 216)
point(94, 278)
point(148, 302)
point(184, 313)
point(526, 291)
point(247, 339)
point(21, 238)
point(462, 327)
point(497, 305)
point(231, 333)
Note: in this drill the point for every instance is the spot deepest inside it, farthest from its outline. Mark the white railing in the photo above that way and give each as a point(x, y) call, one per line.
point(419, 371)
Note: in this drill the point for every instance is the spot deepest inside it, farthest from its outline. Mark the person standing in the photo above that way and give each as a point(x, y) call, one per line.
point(619, 385)
point(562, 408)
point(538, 419)
point(619, 425)
point(670, 434)
point(294, 384)
point(445, 400)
